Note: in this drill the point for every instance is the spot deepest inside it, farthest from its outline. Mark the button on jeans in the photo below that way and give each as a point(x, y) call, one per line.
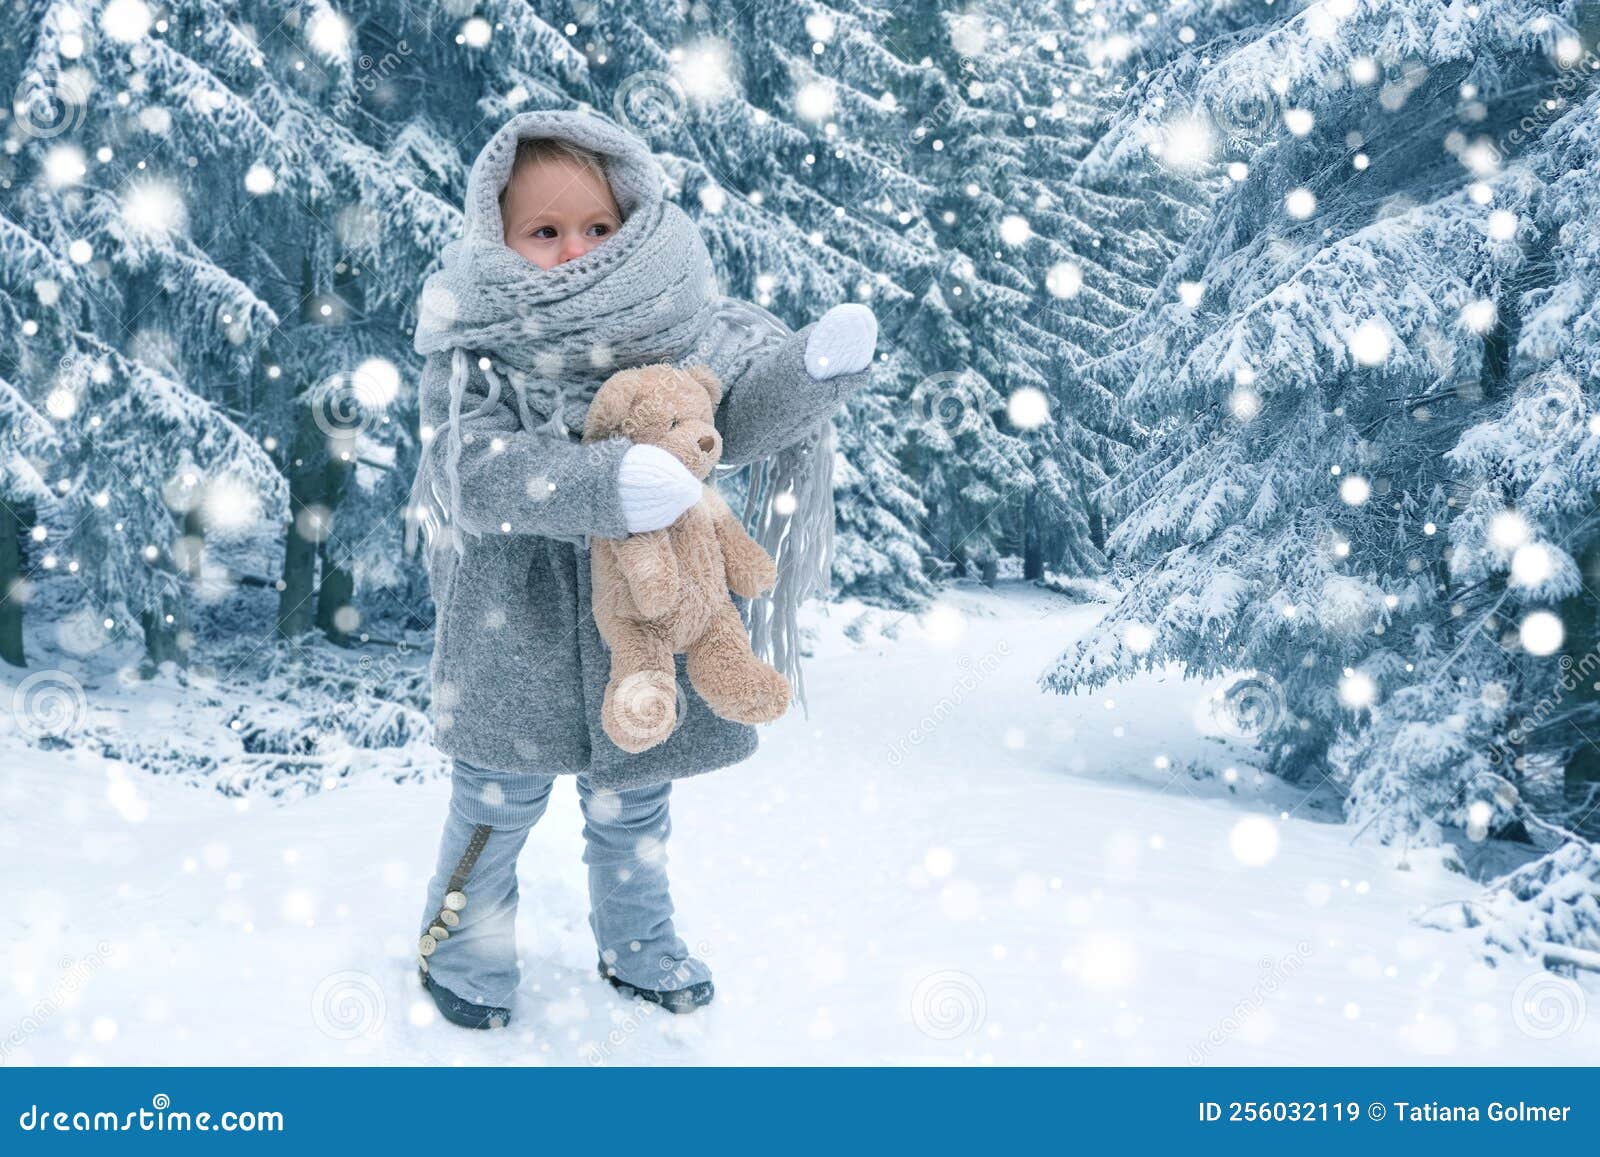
point(630, 909)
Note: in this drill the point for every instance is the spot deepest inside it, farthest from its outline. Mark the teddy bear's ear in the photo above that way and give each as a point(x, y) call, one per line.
point(609, 409)
point(707, 379)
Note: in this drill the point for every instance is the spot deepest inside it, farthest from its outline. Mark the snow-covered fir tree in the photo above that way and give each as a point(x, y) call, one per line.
point(1353, 382)
point(206, 229)
point(96, 260)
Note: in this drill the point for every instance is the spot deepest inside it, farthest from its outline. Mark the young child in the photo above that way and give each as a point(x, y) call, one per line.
point(571, 265)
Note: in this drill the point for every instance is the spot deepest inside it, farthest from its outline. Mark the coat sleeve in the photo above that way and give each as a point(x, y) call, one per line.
point(520, 481)
point(775, 403)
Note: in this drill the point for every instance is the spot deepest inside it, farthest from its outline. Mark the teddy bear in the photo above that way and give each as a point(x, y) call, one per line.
point(665, 592)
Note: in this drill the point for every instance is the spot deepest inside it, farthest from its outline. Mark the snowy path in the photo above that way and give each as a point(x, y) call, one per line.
point(943, 865)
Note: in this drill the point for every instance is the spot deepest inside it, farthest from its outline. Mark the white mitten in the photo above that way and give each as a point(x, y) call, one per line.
point(842, 343)
point(655, 488)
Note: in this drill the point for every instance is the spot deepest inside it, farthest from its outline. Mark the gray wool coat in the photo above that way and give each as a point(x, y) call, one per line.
point(519, 668)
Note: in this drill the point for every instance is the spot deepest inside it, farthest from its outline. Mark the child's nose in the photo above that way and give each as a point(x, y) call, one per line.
point(573, 248)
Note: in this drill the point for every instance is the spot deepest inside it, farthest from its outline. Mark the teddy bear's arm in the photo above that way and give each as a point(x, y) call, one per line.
point(650, 570)
point(750, 569)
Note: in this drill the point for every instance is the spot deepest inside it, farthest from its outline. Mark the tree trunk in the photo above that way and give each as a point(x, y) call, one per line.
point(335, 593)
point(165, 624)
point(337, 587)
point(335, 612)
point(303, 534)
point(1581, 780)
point(1032, 543)
point(165, 619)
point(307, 526)
point(190, 555)
point(11, 531)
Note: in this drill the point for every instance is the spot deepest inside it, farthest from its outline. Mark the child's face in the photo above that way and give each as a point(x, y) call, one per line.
point(556, 210)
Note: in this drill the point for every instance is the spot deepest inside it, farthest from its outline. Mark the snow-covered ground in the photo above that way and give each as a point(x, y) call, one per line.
point(942, 865)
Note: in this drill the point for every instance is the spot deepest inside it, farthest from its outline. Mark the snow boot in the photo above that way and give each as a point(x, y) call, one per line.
point(677, 1000)
point(463, 1012)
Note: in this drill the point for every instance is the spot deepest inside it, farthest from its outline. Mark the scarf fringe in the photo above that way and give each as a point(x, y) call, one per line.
point(427, 515)
point(801, 542)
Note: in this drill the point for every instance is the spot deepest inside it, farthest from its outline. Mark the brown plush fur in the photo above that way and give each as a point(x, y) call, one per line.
point(666, 592)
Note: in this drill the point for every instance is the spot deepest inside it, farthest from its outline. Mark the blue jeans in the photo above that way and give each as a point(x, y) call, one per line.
point(473, 893)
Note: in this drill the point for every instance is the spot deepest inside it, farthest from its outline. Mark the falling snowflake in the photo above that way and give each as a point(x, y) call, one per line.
point(1015, 230)
point(1064, 280)
point(1369, 344)
point(1300, 203)
point(814, 101)
point(259, 179)
point(126, 21)
point(1541, 633)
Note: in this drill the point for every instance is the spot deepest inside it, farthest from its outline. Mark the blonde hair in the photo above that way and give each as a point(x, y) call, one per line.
point(533, 150)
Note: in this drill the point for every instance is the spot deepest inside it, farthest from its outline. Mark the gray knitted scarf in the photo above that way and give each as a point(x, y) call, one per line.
point(552, 336)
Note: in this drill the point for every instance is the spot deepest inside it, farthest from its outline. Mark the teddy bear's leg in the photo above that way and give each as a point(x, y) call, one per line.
point(733, 682)
point(749, 569)
point(641, 702)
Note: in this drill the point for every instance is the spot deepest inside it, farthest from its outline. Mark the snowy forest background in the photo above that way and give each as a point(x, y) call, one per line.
point(1273, 322)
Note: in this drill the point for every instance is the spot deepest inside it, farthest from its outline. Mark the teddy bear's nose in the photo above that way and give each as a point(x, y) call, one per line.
point(707, 442)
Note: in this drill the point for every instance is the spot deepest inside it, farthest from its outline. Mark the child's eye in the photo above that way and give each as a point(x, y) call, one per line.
point(599, 230)
point(544, 233)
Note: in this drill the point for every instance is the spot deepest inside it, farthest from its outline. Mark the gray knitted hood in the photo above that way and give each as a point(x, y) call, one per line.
point(639, 297)
point(632, 172)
